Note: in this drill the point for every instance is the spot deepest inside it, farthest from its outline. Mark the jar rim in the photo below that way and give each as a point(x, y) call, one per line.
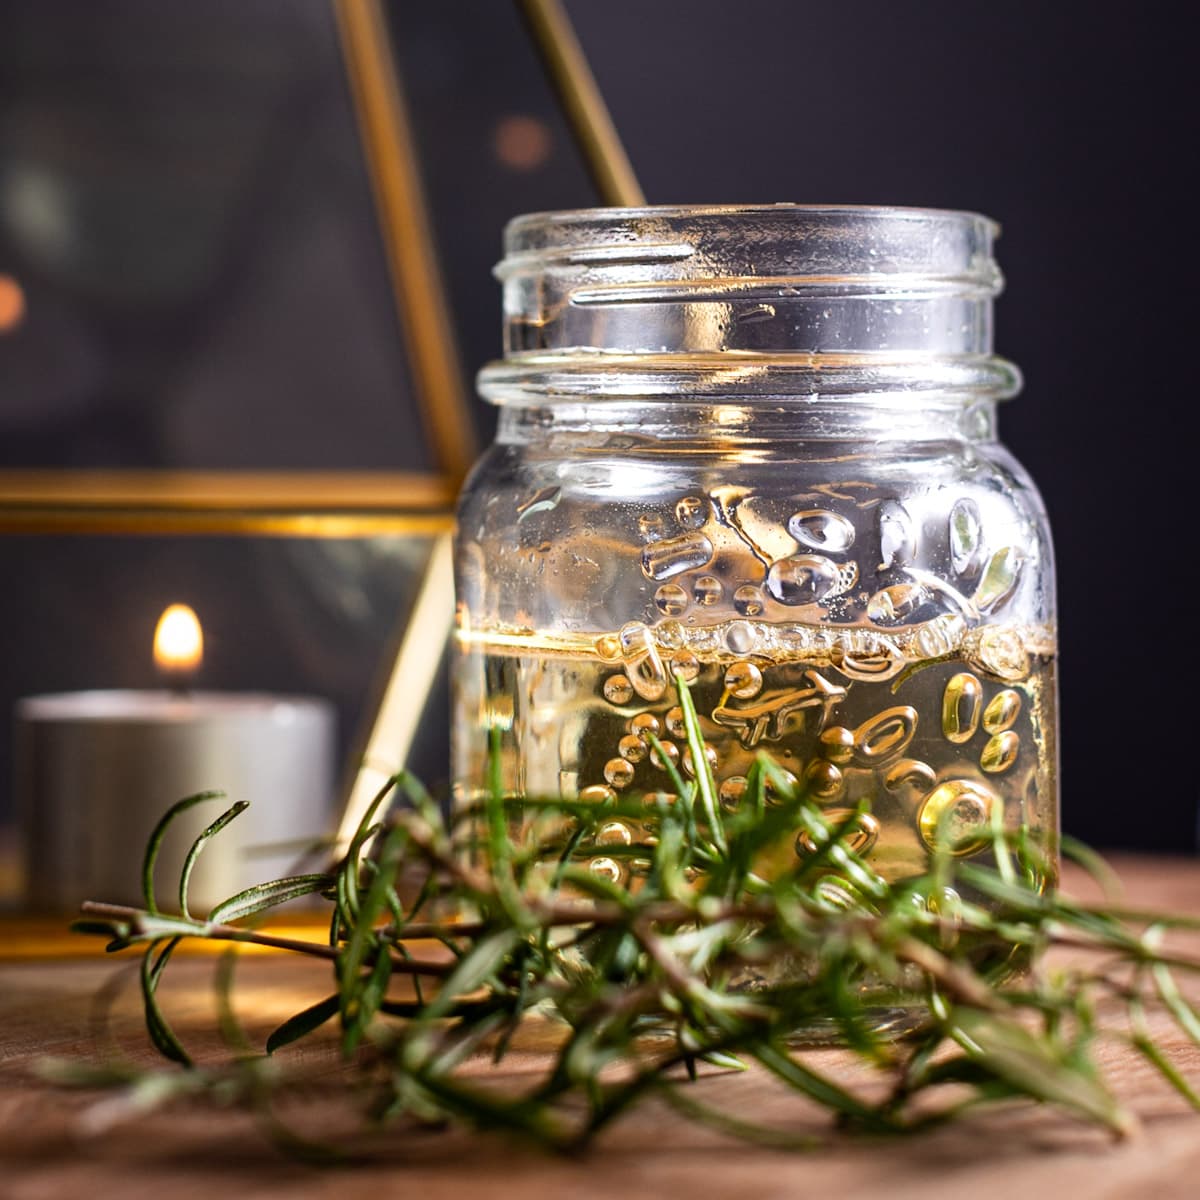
point(804, 242)
point(763, 279)
point(597, 216)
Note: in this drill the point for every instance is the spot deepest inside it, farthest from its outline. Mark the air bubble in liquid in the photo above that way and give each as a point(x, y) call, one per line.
point(966, 536)
point(665, 559)
point(597, 794)
point(790, 787)
point(824, 779)
point(671, 600)
point(667, 748)
point(942, 635)
point(895, 604)
point(743, 680)
point(707, 591)
point(793, 639)
point(947, 904)
point(897, 543)
point(644, 724)
point(618, 689)
point(847, 578)
point(837, 744)
point(820, 529)
point(740, 637)
point(689, 766)
point(614, 834)
point(685, 664)
point(731, 791)
point(999, 579)
point(649, 676)
point(635, 639)
point(618, 772)
point(671, 635)
point(632, 748)
point(871, 661)
point(859, 838)
point(1000, 652)
point(607, 869)
point(608, 646)
point(802, 579)
point(960, 707)
point(651, 526)
point(748, 600)
point(692, 511)
point(543, 500)
point(1000, 752)
point(1002, 711)
point(643, 666)
point(957, 814)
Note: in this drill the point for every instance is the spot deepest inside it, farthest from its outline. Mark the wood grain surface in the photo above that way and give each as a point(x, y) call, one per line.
point(56, 1143)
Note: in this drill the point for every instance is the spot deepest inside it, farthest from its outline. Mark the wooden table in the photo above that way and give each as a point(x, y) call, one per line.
point(1023, 1152)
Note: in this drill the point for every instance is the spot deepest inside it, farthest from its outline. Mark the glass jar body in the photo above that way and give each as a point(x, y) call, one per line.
point(877, 618)
point(833, 550)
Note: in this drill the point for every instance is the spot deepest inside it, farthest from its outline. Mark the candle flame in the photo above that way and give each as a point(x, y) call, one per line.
point(178, 640)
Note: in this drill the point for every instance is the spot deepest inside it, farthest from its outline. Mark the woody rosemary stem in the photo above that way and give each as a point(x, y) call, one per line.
point(136, 919)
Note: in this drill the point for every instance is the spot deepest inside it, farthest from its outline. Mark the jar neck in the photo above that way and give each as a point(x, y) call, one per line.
point(727, 425)
point(750, 397)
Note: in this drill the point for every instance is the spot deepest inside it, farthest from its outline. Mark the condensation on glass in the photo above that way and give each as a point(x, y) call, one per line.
point(756, 448)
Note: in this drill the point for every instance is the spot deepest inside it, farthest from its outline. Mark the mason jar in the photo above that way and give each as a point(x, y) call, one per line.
point(756, 447)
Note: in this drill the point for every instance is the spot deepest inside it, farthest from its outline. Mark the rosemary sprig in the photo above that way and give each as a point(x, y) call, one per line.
point(705, 960)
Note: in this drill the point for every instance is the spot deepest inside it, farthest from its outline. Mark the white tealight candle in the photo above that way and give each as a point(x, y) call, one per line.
point(96, 770)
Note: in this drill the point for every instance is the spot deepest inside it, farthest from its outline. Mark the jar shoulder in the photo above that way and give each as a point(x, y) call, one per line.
point(511, 482)
point(848, 533)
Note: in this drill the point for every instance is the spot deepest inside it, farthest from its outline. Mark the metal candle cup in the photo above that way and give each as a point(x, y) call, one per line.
point(95, 771)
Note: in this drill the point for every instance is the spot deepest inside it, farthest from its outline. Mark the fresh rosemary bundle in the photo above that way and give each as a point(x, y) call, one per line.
point(447, 936)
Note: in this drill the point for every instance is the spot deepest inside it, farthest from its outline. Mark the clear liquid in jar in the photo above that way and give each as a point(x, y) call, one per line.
point(936, 733)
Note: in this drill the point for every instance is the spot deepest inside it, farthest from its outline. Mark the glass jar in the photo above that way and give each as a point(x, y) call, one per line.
point(756, 446)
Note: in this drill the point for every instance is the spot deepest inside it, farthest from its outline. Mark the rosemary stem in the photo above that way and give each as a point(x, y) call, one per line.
point(231, 933)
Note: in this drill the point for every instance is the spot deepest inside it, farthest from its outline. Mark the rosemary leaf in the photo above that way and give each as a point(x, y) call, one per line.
point(154, 845)
point(1010, 1052)
point(303, 1023)
point(267, 895)
point(161, 1034)
point(198, 845)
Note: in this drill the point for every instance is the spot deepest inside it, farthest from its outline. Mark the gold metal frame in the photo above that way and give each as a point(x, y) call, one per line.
point(407, 232)
point(306, 503)
point(582, 103)
point(314, 504)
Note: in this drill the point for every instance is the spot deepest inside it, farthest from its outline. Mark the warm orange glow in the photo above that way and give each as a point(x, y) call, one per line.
point(178, 640)
point(522, 143)
point(12, 303)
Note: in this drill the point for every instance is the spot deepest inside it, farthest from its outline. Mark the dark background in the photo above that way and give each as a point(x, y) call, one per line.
point(1072, 124)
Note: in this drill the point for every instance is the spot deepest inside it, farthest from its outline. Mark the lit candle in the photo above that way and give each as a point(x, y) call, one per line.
point(97, 769)
point(178, 645)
